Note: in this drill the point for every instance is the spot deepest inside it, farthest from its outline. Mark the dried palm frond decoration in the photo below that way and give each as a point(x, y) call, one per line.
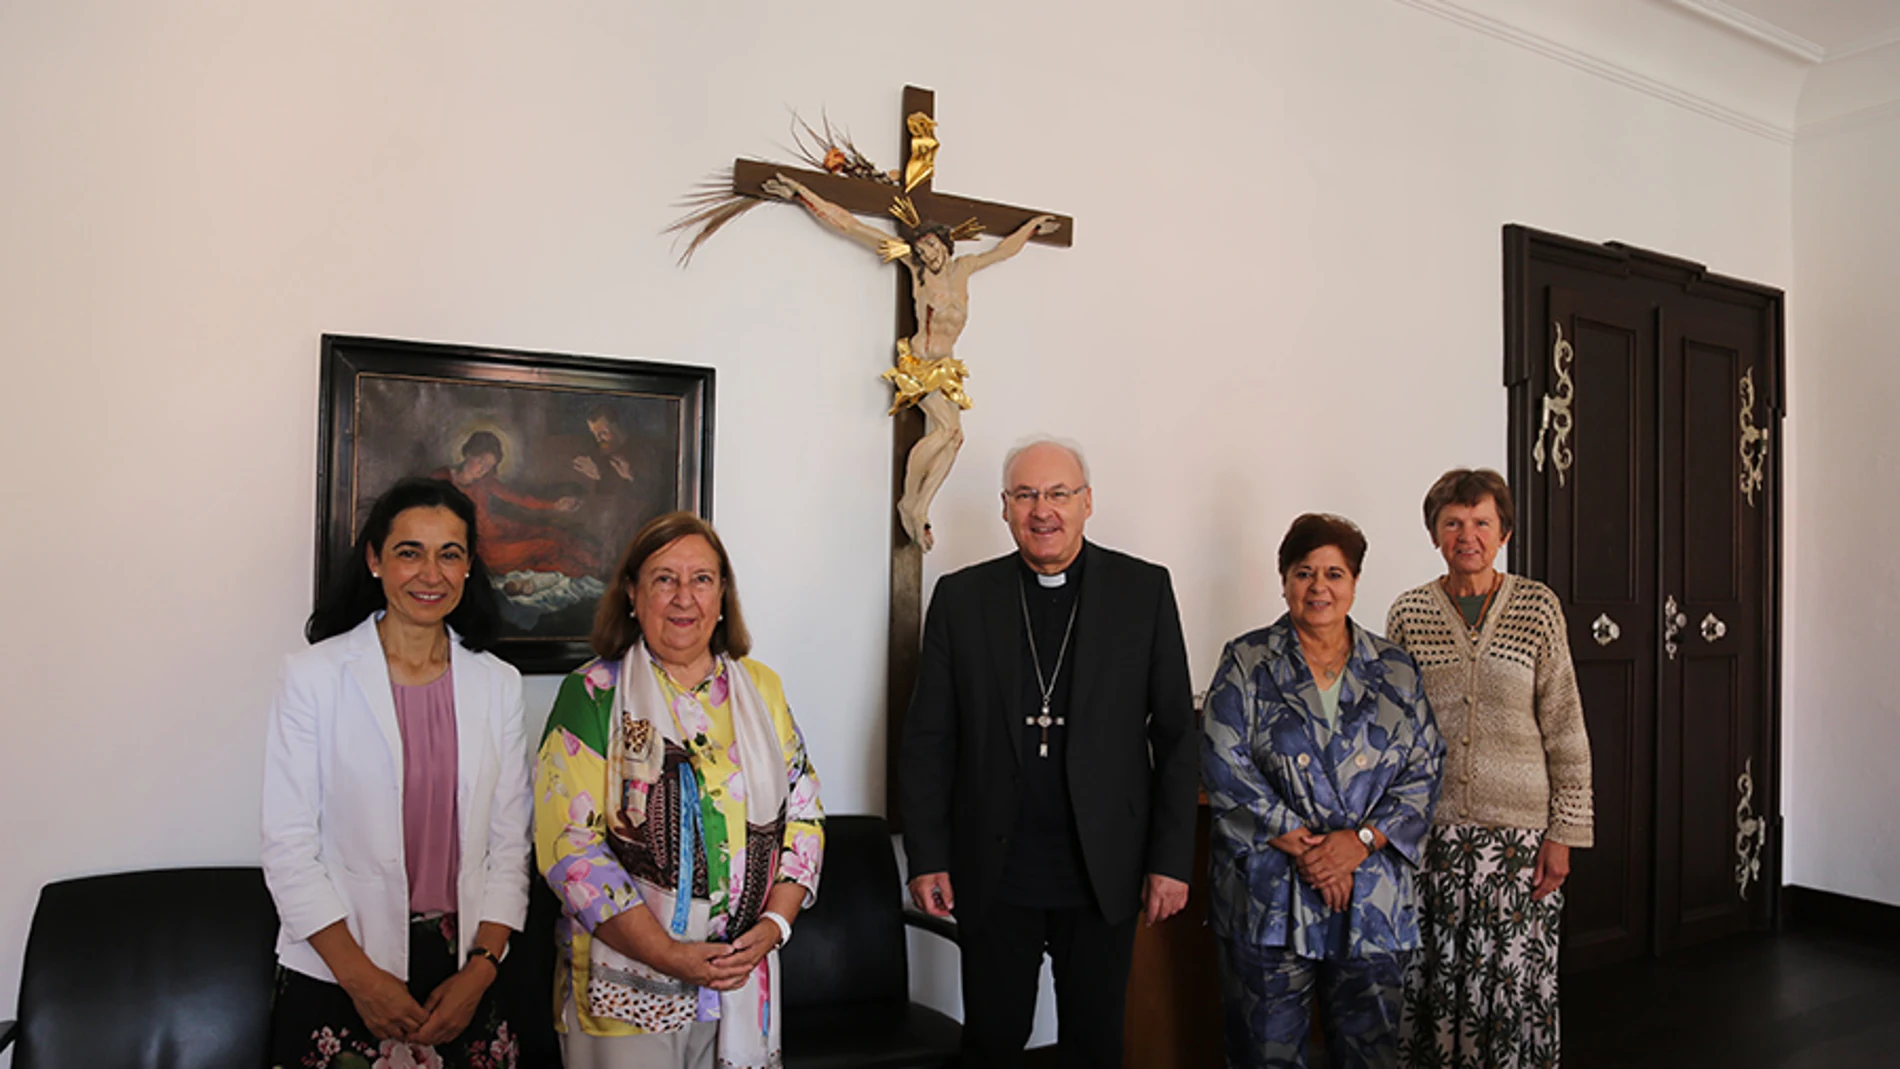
point(712, 204)
point(840, 156)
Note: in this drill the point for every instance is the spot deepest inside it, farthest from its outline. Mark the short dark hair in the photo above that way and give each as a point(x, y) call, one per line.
point(1469, 487)
point(483, 442)
point(614, 625)
point(1312, 530)
point(353, 593)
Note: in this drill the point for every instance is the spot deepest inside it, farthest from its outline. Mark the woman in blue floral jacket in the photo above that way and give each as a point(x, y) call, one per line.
point(1321, 761)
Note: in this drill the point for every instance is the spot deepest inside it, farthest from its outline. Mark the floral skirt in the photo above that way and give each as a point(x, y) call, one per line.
point(314, 1025)
point(1482, 990)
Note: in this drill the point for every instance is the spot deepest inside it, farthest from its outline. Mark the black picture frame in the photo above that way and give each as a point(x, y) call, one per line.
point(552, 527)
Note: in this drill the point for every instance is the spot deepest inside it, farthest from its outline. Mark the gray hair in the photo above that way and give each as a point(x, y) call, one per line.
point(1068, 445)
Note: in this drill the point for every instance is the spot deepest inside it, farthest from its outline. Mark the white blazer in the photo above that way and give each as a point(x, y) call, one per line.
point(332, 810)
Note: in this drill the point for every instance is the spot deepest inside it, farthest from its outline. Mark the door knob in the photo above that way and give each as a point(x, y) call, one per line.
point(1713, 628)
point(1604, 630)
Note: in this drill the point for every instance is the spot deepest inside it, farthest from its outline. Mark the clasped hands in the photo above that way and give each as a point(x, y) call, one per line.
point(591, 470)
point(1325, 861)
point(391, 1012)
point(720, 966)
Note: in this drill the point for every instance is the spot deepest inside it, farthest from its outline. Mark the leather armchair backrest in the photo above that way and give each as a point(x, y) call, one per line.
point(849, 947)
point(169, 969)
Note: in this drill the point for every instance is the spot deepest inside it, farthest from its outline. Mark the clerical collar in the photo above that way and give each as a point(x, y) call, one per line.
point(1067, 577)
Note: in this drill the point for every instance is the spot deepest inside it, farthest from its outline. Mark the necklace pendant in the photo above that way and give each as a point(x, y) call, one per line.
point(1043, 750)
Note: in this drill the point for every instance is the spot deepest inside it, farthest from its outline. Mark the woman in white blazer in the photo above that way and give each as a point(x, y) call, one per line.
point(396, 803)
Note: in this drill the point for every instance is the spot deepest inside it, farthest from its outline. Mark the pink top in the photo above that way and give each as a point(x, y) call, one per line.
point(432, 853)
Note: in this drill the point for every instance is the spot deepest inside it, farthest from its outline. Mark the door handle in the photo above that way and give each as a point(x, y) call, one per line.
point(1604, 630)
point(1713, 628)
point(1673, 623)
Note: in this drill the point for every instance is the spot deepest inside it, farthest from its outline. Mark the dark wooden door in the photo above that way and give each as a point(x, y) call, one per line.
point(1713, 737)
point(1596, 494)
point(1626, 373)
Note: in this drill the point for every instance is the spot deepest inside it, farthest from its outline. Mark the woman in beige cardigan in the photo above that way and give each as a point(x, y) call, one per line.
point(1515, 800)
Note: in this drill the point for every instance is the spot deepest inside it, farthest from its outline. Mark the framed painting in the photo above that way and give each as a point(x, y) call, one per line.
point(564, 457)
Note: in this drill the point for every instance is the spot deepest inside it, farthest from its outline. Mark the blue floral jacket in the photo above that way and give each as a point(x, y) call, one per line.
point(1271, 764)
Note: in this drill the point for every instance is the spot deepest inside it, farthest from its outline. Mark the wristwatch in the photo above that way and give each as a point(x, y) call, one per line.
point(479, 951)
point(1366, 837)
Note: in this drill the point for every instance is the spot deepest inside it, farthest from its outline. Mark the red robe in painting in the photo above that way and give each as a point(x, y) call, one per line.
point(512, 545)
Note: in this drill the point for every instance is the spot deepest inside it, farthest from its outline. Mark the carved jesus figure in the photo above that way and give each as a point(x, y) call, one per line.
point(928, 373)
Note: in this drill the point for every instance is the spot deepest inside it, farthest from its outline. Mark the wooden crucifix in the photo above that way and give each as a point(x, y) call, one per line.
point(927, 375)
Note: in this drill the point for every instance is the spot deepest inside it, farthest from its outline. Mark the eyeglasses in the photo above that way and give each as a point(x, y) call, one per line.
point(667, 583)
point(1058, 497)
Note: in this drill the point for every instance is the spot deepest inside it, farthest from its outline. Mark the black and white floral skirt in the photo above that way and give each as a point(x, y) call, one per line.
point(314, 1025)
point(1482, 990)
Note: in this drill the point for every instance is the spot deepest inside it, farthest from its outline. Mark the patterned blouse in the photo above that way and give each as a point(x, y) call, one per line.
point(1272, 764)
point(570, 830)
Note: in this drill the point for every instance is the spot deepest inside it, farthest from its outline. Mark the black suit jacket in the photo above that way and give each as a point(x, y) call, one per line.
point(1132, 754)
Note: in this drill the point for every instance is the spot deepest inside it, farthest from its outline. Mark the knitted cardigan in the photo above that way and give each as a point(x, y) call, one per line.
point(1517, 754)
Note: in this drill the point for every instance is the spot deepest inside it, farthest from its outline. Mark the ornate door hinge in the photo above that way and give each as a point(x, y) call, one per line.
point(1556, 421)
point(1751, 832)
point(1754, 440)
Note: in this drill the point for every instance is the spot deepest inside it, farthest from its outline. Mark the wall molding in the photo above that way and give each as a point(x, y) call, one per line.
point(1756, 27)
point(1868, 116)
point(1865, 44)
point(1602, 68)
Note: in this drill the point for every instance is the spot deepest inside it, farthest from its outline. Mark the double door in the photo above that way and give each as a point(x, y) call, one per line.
point(1645, 403)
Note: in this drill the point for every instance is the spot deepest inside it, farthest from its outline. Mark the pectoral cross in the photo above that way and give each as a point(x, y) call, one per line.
point(1045, 722)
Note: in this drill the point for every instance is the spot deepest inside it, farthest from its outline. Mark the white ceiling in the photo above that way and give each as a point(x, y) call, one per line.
point(1770, 67)
point(1840, 27)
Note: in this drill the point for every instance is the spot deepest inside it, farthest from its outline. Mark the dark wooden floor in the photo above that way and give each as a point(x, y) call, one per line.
point(1805, 998)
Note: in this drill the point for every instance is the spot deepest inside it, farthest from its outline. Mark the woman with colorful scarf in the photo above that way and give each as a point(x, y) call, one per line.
point(677, 819)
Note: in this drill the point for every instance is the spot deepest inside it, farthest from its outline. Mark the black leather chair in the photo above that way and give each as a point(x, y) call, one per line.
point(846, 972)
point(173, 969)
point(169, 970)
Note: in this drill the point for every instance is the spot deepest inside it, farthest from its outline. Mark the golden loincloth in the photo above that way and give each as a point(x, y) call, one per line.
point(915, 379)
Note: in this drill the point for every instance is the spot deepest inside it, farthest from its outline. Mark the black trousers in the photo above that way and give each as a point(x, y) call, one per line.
point(1001, 965)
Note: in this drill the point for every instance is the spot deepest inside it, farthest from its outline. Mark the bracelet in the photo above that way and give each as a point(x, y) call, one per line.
point(784, 926)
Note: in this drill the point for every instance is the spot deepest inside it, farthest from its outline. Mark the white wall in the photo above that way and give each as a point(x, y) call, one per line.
point(1841, 713)
point(1284, 295)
